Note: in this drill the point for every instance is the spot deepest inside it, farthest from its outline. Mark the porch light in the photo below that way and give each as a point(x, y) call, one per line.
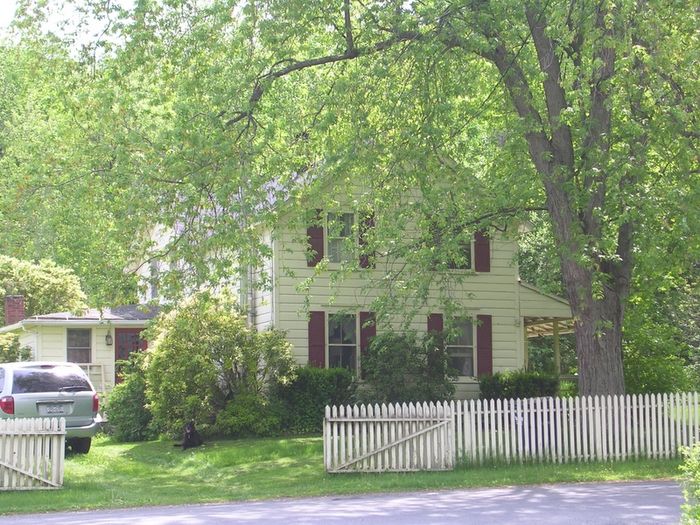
point(108, 338)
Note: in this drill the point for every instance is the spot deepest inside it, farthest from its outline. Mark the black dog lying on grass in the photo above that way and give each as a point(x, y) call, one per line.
point(190, 438)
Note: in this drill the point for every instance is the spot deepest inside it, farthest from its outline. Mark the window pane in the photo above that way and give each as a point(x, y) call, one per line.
point(462, 359)
point(342, 357)
point(341, 329)
point(340, 224)
point(78, 355)
point(340, 246)
point(79, 338)
point(339, 251)
point(465, 329)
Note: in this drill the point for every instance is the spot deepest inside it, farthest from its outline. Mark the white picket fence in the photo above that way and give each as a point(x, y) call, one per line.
point(597, 428)
point(398, 438)
point(32, 453)
point(431, 436)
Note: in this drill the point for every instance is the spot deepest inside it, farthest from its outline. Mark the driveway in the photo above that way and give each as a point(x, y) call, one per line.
point(638, 503)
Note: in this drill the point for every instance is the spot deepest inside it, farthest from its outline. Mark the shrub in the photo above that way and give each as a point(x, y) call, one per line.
point(127, 414)
point(399, 369)
point(655, 370)
point(691, 470)
point(304, 398)
point(518, 384)
point(11, 351)
point(249, 415)
point(204, 355)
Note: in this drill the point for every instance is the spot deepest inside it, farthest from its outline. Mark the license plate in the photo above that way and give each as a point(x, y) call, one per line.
point(53, 410)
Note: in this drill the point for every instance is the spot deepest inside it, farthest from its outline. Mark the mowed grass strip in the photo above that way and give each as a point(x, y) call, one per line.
point(156, 473)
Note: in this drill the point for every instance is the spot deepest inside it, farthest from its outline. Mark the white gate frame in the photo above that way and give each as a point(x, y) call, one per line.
point(393, 438)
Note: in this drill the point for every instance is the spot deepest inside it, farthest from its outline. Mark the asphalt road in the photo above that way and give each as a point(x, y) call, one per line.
point(638, 503)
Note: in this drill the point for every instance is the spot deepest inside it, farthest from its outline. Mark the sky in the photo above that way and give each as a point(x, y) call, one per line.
point(7, 11)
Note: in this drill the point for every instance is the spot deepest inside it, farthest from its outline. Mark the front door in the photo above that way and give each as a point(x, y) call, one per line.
point(126, 341)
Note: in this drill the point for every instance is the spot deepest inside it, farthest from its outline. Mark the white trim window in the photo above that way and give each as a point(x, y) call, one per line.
point(342, 341)
point(460, 348)
point(78, 345)
point(340, 237)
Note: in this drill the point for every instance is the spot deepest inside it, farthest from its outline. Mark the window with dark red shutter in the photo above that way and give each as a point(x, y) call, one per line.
point(482, 253)
point(435, 323)
point(484, 345)
point(317, 339)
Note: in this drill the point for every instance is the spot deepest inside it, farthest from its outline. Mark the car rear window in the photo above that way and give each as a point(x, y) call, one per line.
point(49, 379)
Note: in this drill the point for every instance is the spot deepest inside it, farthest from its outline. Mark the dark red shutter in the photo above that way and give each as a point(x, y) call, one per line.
point(317, 339)
point(435, 323)
point(484, 345)
point(315, 235)
point(368, 330)
point(482, 253)
point(366, 259)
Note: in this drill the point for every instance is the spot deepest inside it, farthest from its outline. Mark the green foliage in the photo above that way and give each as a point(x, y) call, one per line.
point(691, 489)
point(46, 287)
point(196, 128)
point(11, 351)
point(397, 368)
point(128, 416)
point(656, 355)
point(248, 415)
point(304, 397)
point(518, 384)
point(204, 355)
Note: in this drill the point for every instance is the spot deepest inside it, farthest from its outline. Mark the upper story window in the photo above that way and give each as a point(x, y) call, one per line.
point(461, 348)
point(451, 247)
point(79, 345)
point(342, 341)
point(340, 237)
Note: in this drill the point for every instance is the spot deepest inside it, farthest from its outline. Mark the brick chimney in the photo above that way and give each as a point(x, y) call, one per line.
point(14, 309)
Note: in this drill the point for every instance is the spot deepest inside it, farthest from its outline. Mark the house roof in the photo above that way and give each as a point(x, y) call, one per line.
point(132, 314)
point(542, 310)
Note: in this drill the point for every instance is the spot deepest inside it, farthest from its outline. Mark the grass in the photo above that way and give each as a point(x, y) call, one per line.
point(156, 473)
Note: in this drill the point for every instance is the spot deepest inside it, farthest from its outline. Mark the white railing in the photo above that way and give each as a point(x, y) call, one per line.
point(96, 373)
point(597, 428)
point(32, 453)
point(396, 438)
point(432, 436)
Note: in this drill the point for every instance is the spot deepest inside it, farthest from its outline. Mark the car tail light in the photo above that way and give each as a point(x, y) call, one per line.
point(7, 404)
point(95, 403)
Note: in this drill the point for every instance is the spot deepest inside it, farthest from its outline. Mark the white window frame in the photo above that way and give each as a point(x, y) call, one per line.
point(329, 344)
point(471, 259)
point(327, 237)
point(89, 348)
point(448, 346)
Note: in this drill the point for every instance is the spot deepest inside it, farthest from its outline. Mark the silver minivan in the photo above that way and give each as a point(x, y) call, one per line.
point(52, 389)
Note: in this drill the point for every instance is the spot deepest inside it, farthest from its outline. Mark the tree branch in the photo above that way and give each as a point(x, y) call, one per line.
point(555, 98)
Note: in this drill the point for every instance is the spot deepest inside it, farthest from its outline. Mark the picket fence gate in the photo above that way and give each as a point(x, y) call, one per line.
point(32, 453)
point(393, 438)
point(432, 436)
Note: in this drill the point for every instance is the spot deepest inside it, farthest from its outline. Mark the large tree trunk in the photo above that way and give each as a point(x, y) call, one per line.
point(598, 331)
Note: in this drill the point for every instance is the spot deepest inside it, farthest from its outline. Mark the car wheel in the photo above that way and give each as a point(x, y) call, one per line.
point(80, 445)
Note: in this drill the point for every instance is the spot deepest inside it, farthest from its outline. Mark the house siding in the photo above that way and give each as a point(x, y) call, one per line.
point(494, 293)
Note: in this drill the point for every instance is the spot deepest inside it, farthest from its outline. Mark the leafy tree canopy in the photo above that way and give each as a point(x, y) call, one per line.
point(455, 114)
point(46, 287)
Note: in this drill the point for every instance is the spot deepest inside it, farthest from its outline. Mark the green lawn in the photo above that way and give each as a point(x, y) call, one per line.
point(156, 473)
